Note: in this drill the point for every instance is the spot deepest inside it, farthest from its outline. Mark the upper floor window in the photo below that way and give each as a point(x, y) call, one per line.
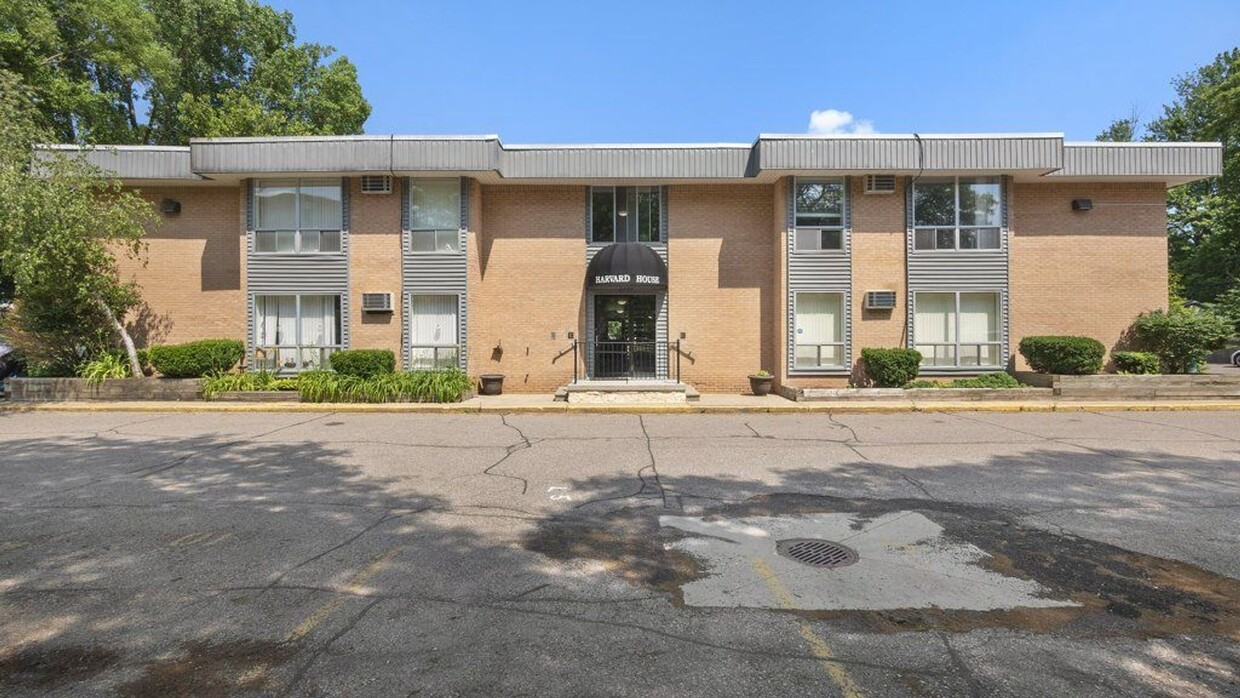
point(819, 215)
point(435, 215)
point(960, 213)
point(297, 215)
point(626, 214)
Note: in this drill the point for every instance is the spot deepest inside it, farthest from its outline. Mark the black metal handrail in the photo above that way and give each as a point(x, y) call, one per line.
point(604, 360)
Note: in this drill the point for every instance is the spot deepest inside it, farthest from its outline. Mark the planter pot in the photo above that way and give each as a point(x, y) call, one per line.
point(761, 385)
point(491, 384)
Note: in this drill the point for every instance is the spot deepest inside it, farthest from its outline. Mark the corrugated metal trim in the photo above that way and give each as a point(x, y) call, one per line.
point(636, 162)
point(126, 161)
point(1039, 153)
point(1141, 159)
point(824, 272)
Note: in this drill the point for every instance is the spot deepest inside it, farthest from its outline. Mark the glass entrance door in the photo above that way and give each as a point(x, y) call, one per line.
point(624, 336)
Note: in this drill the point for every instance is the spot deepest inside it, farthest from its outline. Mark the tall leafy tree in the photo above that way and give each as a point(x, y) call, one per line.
point(62, 223)
point(161, 71)
point(1203, 218)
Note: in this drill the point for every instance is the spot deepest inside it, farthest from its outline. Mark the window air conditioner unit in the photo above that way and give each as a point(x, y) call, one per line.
point(880, 184)
point(376, 302)
point(376, 184)
point(880, 300)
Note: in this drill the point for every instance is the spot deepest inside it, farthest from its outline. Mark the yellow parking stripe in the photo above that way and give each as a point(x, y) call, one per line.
point(818, 646)
point(353, 586)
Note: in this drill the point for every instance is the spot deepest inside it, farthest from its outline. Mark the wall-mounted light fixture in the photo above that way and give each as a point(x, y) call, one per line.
point(1082, 204)
point(170, 207)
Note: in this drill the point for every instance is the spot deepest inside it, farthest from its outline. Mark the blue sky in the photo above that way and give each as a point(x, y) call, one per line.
point(539, 72)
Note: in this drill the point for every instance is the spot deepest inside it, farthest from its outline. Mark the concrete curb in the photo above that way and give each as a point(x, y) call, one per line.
point(565, 408)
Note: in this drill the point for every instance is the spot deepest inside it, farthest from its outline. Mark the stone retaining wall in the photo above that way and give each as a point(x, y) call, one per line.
point(75, 389)
point(1122, 387)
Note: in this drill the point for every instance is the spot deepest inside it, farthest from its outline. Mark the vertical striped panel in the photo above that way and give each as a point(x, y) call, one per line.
point(960, 270)
point(435, 273)
point(826, 272)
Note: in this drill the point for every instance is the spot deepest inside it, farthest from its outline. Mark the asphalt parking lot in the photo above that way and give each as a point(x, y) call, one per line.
point(1051, 554)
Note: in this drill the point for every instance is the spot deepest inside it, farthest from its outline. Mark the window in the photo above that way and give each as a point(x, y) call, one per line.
point(626, 214)
point(819, 215)
point(959, 213)
point(958, 329)
point(296, 332)
point(433, 342)
point(819, 337)
point(435, 215)
point(293, 216)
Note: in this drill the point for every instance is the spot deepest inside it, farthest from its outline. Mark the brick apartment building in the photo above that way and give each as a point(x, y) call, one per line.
point(545, 263)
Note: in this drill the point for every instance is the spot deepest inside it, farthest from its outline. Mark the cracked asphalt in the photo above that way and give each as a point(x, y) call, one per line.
point(520, 555)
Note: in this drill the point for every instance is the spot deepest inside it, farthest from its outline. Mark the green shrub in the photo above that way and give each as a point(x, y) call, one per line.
point(197, 359)
point(891, 368)
point(1075, 356)
point(417, 386)
point(106, 367)
point(1136, 362)
point(1182, 337)
point(989, 380)
point(363, 363)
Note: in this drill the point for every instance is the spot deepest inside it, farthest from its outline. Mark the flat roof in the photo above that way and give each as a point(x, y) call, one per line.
point(1026, 155)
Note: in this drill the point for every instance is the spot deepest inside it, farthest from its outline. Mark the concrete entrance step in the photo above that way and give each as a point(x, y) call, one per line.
point(613, 392)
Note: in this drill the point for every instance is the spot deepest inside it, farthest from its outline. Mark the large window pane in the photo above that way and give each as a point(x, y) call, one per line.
point(980, 201)
point(435, 204)
point(275, 204)
point(320, 320)
point(934, 318)
point(979, 318)
point(603, 214)
point(320, 204)
point(648, 216)
point(808, 240)
point(934, 203)
point(819, 326)
point(820, 204)
point(276, 320)
point(433, 320)
point(447, 241)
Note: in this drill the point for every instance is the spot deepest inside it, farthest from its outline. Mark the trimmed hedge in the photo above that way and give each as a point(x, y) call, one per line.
point(197, 359)
point(363, 363)
point(1136, 362)
point(989, 380)
point(1074, 356)
point(891, 368)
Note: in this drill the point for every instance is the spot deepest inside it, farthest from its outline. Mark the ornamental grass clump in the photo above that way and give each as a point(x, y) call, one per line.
point(245, 382)
point(403, 386)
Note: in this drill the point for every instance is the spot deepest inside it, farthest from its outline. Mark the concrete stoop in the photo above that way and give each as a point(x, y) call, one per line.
point(627, 392)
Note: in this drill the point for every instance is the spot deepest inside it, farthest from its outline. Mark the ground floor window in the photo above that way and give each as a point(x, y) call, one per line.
point(296, 332)
point(434, 338)
point(819, 336)
point(958, 329)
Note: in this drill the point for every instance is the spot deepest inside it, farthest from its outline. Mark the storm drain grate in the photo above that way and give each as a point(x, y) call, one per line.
point(816, 552)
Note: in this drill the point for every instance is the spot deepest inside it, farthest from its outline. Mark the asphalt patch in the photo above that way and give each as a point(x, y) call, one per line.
point(1120, 592)
point(212, 670)
point(54, 666)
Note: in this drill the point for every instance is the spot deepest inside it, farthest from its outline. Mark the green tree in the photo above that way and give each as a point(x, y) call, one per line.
point(1203, 218)
point(161, 71)
point(61, 224)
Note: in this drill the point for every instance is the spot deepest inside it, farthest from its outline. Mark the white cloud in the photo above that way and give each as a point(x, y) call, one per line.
point(835, 121)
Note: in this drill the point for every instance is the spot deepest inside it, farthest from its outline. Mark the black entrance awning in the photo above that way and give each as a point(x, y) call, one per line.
point(627, 267)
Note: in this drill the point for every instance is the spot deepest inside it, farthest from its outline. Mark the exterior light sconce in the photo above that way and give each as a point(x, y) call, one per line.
point(1082, 204)
point(622, 214)
point(170, 207)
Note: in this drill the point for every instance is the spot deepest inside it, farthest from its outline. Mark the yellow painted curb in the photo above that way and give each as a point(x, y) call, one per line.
point(875, 407)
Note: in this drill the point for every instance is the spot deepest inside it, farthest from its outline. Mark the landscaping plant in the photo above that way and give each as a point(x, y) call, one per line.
point(1182, 337)
point(1136, 362)
point(417, 386)
point(891, 368)
point(363, 363)
point(106, 367)
point(197, 359)
point(1074, 356)
point(245, 382)
point(989, 380)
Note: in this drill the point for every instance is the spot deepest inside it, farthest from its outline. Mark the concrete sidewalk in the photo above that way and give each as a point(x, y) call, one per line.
point(709, 403)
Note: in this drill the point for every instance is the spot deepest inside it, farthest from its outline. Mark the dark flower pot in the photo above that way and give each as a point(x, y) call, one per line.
point(761, 385)
point(492, 384)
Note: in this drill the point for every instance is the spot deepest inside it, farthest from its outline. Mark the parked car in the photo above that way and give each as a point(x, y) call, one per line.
point(1235, 358)
point(8, 363)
